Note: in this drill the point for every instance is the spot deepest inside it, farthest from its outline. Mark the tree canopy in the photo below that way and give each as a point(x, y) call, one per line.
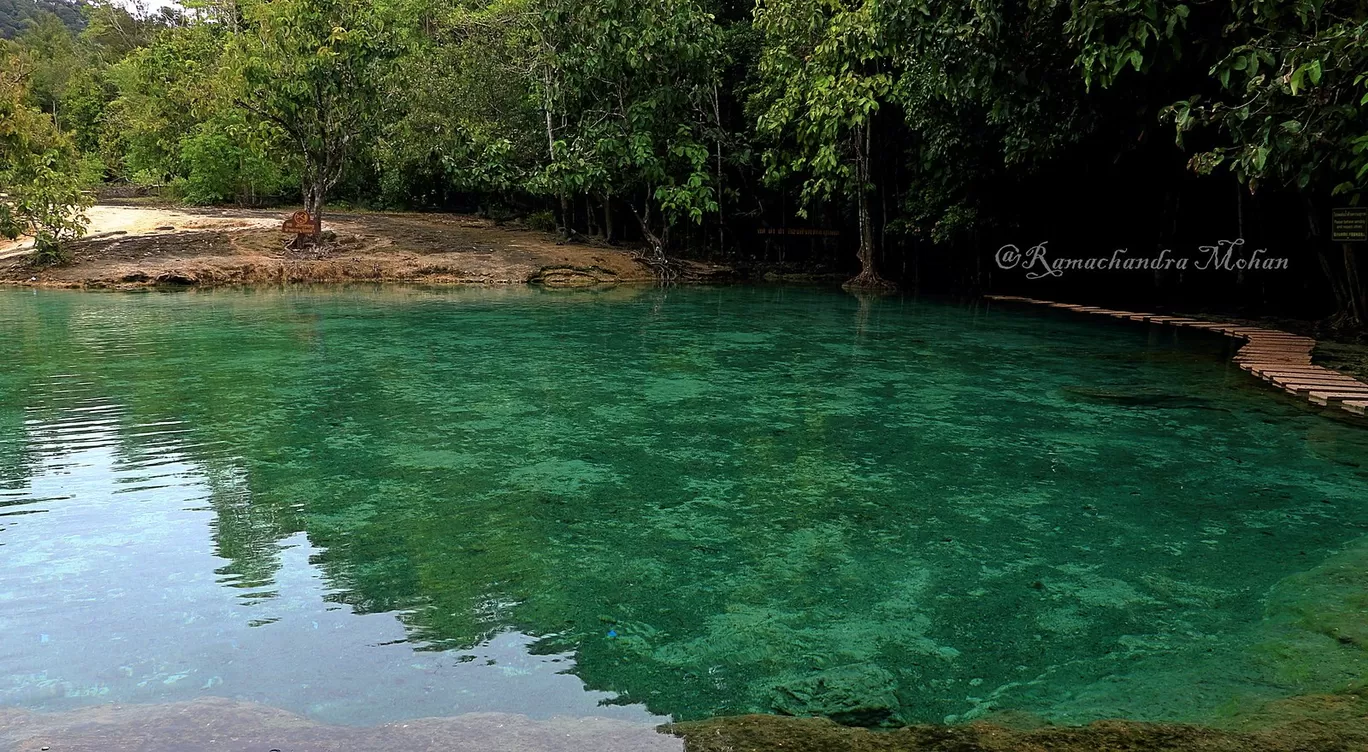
point(40, 185)
point(16, 16)
point(923, 131)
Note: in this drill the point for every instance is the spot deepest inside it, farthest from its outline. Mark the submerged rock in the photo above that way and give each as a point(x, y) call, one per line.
point(1333, 724)
point(855, 695)
point(573, 276)
point(214, 724)
point(1142, 398)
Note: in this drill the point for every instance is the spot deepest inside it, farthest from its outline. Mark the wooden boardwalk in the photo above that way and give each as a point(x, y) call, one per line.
point(1279, 358)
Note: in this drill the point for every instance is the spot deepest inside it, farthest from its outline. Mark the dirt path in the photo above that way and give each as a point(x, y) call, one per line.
point(130, 246)
point(110, 220)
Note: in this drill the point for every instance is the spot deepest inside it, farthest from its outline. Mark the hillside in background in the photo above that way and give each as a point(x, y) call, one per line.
point(15, 14)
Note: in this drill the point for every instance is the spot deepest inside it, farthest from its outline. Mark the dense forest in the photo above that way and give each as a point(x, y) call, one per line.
point(18, 15)
point(899, 141)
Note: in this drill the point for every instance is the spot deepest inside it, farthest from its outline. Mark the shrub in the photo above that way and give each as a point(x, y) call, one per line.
point(544, 221)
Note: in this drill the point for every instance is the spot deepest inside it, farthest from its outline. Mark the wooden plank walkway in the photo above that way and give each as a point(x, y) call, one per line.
point(1279, 358)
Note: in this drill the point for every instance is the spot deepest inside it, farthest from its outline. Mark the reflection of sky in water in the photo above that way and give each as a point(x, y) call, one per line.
point(109, 592)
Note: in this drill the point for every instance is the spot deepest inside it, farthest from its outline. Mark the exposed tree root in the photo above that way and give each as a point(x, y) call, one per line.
point(664, 269)
point(869, 281)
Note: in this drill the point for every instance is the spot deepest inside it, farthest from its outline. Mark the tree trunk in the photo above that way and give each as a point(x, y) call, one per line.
point(652, 239)
point(566, 231)
point(1351, 299)
point(659, 263)
point(1336, 285)
point(721, 216)
point(590, 218)
point(1353, 287)
point(868, 278)
point(609, 233)
point(563, 225)
point(314, 193)
point(1239, 226)
point(313, 204)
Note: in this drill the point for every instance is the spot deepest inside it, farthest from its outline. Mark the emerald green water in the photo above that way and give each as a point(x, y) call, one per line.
point(368, 505)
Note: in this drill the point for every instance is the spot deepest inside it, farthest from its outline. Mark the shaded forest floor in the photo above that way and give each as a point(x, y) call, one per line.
point(140, 246)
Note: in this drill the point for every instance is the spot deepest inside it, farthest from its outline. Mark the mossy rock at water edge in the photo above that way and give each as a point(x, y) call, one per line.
point(1334, 723)
point(856, 695)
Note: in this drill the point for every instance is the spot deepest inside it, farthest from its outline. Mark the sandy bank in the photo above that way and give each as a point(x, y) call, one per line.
point(144, 246)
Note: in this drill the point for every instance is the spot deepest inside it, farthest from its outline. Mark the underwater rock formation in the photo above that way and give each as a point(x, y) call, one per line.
point(856, 695)
point(1324, 723)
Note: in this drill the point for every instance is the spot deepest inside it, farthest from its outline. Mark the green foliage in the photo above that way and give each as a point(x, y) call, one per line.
point(114, 32)
point(164, 91)
point(311, 70)
point(222, 161)
point(823, 73)
point(83, 108)
point(1289, 96)
point(41, 178)
point(543, 220)
point(627, 90)
point(1114, 36)
point(991, 93)
point(47, 199)
point(1294, 114)
point(561, 98)
point(51, 51)
point(469, 122)
point(921, 119)
point(18, 15)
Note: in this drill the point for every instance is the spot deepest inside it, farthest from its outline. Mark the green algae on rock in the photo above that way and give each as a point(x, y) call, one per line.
point(1316, 627)
point(858, 695)
point(1332, 723)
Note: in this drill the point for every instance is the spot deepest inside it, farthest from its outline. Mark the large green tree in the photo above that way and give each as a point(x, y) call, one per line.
point(41, 188)
point(18, 15)
point(469, 121)
point(823, 75)
point(626, 88)
point(314, 69)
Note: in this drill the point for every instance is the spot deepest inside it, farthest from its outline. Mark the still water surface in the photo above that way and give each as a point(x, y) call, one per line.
point(368, 505)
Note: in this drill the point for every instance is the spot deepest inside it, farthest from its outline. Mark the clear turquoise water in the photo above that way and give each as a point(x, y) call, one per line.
point(368, 505)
